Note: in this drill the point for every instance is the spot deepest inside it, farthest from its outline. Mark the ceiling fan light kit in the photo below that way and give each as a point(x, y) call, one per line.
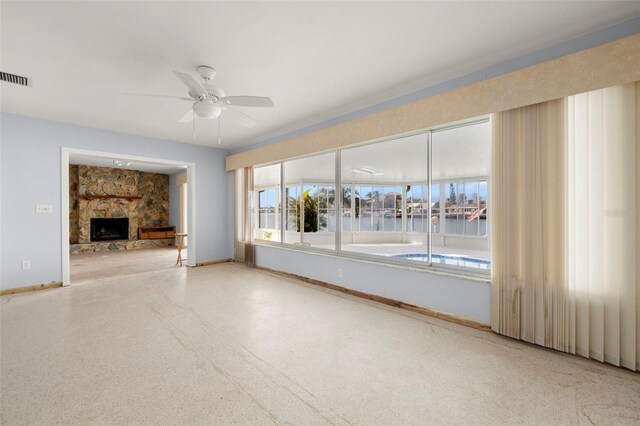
point(207, 109)
point(209, 103)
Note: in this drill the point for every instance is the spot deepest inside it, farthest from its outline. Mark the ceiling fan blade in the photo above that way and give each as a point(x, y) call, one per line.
point(191, 82)
point(158, 96)
point(187, 117)
point(249, 101)
point(239, 116)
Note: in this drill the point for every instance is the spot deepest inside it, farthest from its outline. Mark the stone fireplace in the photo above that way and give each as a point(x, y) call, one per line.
point(102, 196)
point(98, 208)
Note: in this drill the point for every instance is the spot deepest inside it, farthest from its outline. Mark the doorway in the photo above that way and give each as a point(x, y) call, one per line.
point(122, 213)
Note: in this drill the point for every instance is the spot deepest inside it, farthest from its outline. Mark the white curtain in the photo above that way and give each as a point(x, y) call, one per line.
point(249, 249)
point(529, 293)
point(238, 214)
point(565, 193)
point(603, 225)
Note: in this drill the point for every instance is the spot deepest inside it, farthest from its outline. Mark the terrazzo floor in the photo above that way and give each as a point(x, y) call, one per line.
point(225, 344)
point(92, 266)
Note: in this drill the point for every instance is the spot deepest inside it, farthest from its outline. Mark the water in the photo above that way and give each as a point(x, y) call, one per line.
point(447, 259)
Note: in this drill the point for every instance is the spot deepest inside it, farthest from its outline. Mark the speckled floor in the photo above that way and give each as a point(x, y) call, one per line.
point(92, 266)
point(226, 344)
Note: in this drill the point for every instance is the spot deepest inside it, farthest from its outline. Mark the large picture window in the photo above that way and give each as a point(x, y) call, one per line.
point(418, 200)
point(388, 181)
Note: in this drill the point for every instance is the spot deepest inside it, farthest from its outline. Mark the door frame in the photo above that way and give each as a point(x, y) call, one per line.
point(64, 194)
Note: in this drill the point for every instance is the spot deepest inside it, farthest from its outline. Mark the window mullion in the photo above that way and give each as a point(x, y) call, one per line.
point(429, 178)
point(337, 202)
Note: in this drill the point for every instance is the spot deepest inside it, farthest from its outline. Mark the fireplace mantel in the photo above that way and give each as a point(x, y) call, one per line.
point(109, 197)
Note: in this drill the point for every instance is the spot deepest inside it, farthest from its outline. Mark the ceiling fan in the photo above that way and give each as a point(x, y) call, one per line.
point(209, 102)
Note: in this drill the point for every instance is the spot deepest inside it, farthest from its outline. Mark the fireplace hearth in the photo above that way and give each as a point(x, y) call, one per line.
point(108, 229)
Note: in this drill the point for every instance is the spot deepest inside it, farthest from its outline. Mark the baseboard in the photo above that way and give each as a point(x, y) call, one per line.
point(30, 288)
point(213, 262)
point(468, 322)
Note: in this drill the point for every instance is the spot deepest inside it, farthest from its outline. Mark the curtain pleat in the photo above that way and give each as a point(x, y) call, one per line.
point(603, 226)
point(566, 224)
point(528, 243)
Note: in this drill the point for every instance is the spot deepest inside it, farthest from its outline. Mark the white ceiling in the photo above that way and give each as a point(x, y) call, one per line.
point(461, 152)
point(317, 60)
point(143, 166)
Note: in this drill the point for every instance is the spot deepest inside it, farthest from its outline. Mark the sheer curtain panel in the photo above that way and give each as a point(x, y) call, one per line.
point(529, 292)
point(604, 224)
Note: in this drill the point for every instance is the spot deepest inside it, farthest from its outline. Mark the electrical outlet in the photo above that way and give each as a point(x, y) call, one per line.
point(26, 264)
point(339, 272)
point(44, 208)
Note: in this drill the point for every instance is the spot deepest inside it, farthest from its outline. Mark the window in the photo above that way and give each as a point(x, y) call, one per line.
point(293, 208)
point(460, 160)
point(466, 212)
point(311, 201)
point(385, 192)
point(421, 199)
point(267, 208)
point(267, 203)
point(350, 207)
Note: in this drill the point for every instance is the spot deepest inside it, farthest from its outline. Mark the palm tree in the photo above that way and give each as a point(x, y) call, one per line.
point(346, 195)
point(310, 211)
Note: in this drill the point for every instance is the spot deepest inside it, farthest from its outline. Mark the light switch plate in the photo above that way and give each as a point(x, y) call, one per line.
point(44, 208)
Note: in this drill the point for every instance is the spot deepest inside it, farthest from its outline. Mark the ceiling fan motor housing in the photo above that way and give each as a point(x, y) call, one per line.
point(206, 72)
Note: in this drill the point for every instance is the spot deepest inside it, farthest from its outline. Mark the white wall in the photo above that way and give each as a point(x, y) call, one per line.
point(30, 175)
point(174, 201)
point(455, 295)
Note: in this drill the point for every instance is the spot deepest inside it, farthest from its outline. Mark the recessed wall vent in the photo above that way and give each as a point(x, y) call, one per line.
point(13, 78)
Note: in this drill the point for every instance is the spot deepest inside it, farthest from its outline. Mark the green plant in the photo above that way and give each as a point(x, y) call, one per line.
point(310, 211)
point(267, 235)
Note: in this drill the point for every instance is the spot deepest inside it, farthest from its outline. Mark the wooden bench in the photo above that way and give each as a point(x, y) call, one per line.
point(156, 233)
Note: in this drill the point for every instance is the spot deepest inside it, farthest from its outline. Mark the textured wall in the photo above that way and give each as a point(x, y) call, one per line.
point(151, 210)
point(154, 205)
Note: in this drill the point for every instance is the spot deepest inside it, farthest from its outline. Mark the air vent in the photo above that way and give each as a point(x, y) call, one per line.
point(13, 78)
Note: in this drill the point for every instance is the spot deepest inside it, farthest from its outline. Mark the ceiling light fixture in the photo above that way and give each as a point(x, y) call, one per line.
point(207, 109)
point(121, 163)
point(368, 171)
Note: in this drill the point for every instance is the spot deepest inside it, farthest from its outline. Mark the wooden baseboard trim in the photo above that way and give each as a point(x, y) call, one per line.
point(30, 288)
point(468, 322)
point(213, 262)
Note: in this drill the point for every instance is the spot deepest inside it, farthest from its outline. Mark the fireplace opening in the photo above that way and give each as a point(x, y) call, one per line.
point(107, 229)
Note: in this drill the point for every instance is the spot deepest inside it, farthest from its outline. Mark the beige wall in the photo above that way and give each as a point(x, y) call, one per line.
point(610, 64)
